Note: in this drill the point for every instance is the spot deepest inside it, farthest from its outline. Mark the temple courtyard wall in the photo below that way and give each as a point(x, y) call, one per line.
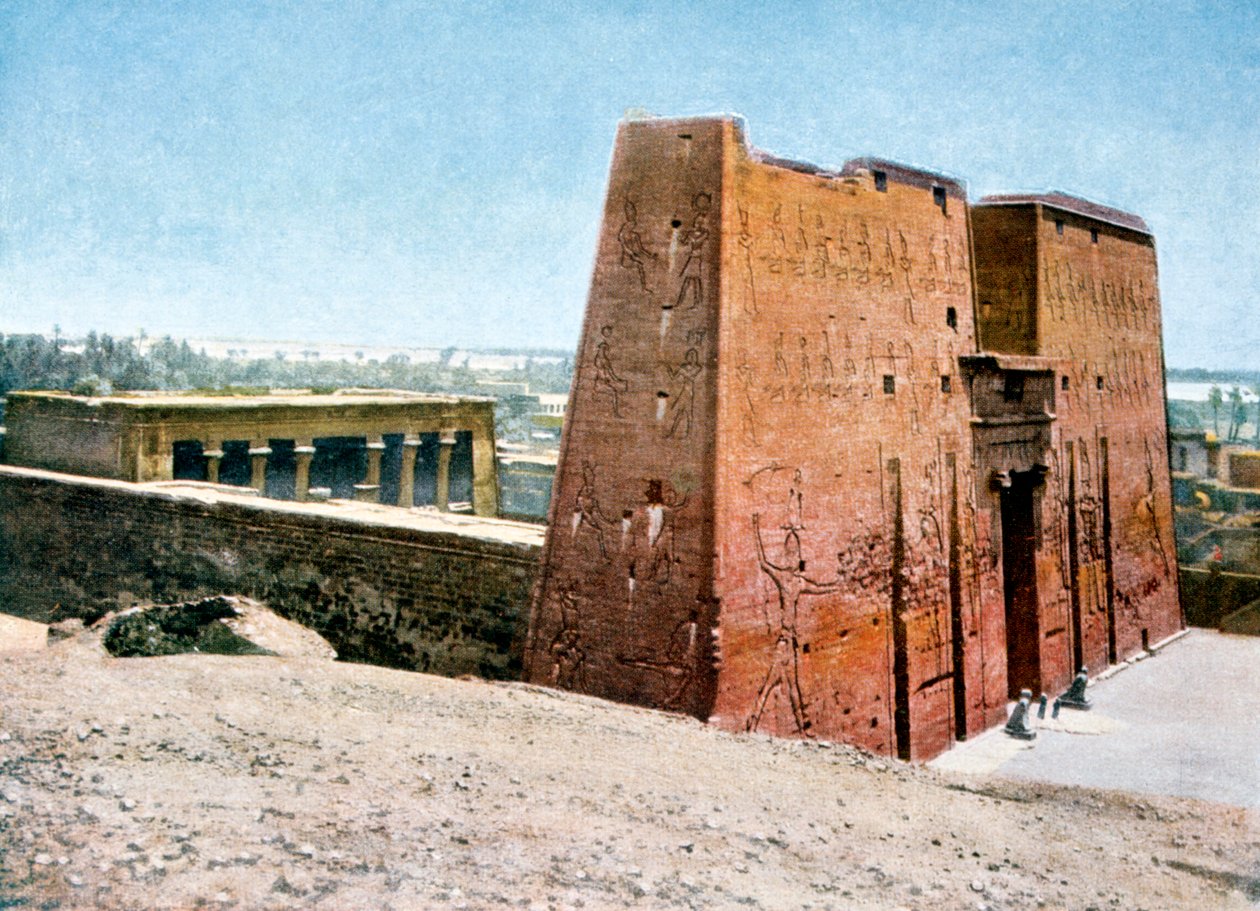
point(433, 592)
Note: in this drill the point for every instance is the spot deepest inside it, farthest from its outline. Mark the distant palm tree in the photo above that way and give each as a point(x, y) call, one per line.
point(1216, 399)
point(1236, 413)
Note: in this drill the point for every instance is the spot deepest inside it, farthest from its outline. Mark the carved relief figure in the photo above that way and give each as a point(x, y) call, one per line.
point(682, 401)
point(791, 584)
point(695, 238)
point(822, 249)
point(778, 391)
point(843, 256)
point(929, 282)
point(745, 240)
point(607, 382)
point(864, 256)
point(748, 412)
point(906, 264)
point(678, 661)
point(888, 263)
point(827, 373)
point(586, 511)
point(802, 385)
point(660, 512)
point(778, 242)
point(800, 243)
point(633, 252)
point(568, 658)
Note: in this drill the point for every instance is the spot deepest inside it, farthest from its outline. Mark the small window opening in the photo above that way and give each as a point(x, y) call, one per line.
point(951, 317)
point(1013, 389)
point(684, 135)
point(947, 384)
point(938, 197)
point(1058, 226)
point(1064, 382)
point(881, 180)
point(1093, 234)
point(890, 384)
point(676, 223)
point(1098, 382)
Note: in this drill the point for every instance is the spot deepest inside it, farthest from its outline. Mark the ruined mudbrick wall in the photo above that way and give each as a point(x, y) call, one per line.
point(381, 592)
point(812, 483)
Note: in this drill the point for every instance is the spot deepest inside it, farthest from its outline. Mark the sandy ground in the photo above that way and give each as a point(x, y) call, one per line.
point(200, 781)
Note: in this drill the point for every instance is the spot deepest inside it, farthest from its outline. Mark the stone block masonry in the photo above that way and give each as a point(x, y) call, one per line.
point(438, 593)
point(813, 479)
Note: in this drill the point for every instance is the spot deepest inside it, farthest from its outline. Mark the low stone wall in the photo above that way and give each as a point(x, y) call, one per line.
point(432, 592)
point(1244, 470)
point(1209, 595)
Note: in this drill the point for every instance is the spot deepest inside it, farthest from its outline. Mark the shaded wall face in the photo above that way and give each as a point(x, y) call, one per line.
point(1104, 555)
point(849, 563)
point(49, 437)
point(1100, 323)
point(1006, 278)
point(624, 606)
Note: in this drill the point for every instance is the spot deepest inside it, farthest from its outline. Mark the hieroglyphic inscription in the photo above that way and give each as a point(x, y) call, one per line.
point(634, 253)
point(607, 381)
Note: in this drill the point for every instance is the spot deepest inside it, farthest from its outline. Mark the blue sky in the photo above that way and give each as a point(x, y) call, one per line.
point(433, 173)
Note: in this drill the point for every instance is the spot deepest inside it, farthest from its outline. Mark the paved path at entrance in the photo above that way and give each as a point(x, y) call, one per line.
point(1184, 722)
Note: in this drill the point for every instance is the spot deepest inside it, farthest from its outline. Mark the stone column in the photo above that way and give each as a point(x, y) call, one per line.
point(303, 452)
point(258, 452)
point(407, 478)
point(446, 444)
point(213, 452)
point(369, 491)
point(485, 475)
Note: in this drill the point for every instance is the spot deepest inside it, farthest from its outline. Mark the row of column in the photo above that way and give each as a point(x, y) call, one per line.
point(368, 490)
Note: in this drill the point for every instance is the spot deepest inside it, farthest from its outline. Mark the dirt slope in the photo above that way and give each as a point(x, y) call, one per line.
point(199, 781)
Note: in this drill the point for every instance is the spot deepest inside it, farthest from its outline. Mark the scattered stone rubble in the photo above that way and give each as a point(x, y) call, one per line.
point(221, 625)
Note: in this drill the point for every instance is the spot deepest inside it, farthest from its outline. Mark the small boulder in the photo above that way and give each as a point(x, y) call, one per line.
point(220, 625)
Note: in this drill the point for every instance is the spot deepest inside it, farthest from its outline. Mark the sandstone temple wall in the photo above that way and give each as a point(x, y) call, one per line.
point(838, 466)
point(625, 593)
point(761, 513)
point(850, 576)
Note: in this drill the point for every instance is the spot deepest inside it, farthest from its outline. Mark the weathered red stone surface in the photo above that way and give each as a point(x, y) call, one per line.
point(779, 503)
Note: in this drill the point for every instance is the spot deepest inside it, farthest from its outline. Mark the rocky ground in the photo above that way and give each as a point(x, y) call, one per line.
point(199, 781)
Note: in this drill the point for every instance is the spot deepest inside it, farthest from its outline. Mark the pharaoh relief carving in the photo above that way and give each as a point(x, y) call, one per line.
point(634, 252)
point(607, 382)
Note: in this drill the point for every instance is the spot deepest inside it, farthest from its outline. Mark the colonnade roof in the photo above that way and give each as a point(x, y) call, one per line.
point(287, 398)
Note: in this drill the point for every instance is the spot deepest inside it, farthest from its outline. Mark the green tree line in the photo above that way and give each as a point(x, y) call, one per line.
point(100, 364)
